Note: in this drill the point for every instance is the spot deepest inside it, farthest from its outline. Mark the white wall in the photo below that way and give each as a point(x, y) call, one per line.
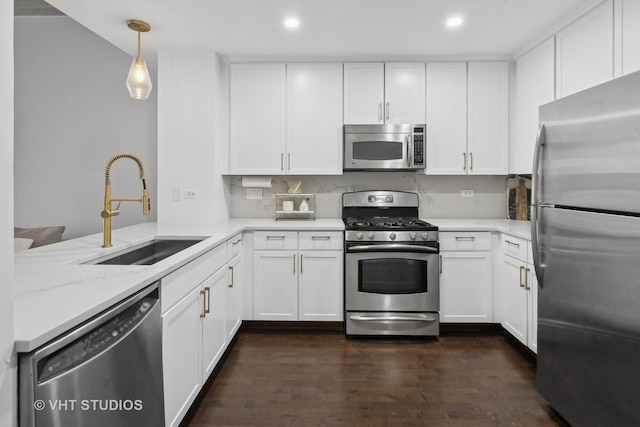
point(8, 371)
point(72, 113)
point(192, 134)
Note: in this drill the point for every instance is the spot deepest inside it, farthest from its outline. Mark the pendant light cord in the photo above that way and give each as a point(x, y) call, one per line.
point(138, 44)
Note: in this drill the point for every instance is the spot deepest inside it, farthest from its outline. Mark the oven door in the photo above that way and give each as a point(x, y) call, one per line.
point(377, 151)
point(392, 278)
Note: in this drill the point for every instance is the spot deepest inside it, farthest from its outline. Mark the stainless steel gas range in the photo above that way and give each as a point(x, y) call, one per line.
point(392, 265)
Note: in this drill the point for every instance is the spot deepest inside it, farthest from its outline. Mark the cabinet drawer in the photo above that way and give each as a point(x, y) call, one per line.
point(176, 285)
point(275, 240)
point(319, 240)
point(515, 247)
point(234, 245)
point(465, 241)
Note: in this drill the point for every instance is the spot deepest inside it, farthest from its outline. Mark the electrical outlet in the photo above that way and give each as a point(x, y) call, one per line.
point(177, 194)
point(254, 193)
point(467, 193)
point(190, 194)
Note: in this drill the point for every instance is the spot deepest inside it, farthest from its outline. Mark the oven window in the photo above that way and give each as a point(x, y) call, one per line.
point(392, 276)
point(378, 150)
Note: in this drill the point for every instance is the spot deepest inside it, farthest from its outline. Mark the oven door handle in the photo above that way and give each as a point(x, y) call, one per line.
point(419, 318)
point(391, 247)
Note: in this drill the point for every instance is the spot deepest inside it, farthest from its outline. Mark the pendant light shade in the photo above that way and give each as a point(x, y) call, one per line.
point(138, 81)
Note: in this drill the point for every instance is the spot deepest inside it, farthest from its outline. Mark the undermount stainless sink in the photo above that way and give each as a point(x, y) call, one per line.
point(149, 253)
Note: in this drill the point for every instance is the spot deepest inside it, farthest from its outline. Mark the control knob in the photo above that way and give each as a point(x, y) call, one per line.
point(413, 235)
point(360, 235)
point(371, 235)
point(392, 236)
point(424, 235)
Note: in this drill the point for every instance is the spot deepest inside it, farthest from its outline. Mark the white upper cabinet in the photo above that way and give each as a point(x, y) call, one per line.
point(377, 93)
point(584, 52)
point(446, 118)
point(467, 118)
point(257, 118)
point(364, 93)
point(404, 92)
point(534, 86)
point(627, 36)
point(286, 119)
point(488, 118)
point(314, 119)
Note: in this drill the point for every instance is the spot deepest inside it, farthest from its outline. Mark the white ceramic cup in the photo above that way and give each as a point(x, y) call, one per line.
point(287, 205)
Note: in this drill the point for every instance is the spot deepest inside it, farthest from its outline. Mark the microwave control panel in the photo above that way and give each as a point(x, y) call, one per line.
point(418, 146)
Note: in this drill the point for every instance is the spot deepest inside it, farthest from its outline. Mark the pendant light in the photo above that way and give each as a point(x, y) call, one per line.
point(138, 81)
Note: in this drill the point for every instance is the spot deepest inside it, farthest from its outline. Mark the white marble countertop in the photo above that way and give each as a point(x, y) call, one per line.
point(54, 291)
point(520, 229)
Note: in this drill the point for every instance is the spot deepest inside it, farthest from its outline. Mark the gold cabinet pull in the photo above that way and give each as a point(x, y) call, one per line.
point(464, 156)
point(231, 270)
point(522, 270)
point(207, 310)
point(294, 263)
point(300, 263)
point(204, 304)
point(526, 279)
point(470, 161)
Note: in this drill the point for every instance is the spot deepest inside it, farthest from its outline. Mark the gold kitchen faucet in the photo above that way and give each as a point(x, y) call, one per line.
point(108, 212)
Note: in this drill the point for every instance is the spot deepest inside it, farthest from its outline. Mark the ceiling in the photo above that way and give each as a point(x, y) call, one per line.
point(329, 29)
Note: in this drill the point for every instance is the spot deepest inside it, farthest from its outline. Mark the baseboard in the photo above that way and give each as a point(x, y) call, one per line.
point(470, 328)
point(285, 326)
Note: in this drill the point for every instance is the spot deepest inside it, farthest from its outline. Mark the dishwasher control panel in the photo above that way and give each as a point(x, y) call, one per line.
point(94, 342)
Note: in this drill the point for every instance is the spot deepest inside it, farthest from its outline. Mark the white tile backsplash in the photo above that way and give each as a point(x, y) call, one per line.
point(439, 195)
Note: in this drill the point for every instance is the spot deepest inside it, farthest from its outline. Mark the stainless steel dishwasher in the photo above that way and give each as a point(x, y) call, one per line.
point(106, 372)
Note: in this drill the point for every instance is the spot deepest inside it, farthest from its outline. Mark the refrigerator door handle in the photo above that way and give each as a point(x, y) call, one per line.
point(535, 184)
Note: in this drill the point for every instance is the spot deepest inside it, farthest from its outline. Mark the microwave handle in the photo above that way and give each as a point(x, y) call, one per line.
point(409, 152)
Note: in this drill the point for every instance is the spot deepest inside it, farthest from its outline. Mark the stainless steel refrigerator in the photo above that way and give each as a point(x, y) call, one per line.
point(586, 242)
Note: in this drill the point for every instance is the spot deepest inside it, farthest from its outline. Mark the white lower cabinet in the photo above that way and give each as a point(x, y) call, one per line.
point(198, 323)
point(214, 315)
point(320, 286)
point(235, 303)
point(275, 286)
point(519, 292)
point(182, 356)
point(466, 286)
point(292, 283)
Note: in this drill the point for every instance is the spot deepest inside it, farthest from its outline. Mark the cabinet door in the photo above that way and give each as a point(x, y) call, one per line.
point(364, 93)
point(532, 285)
point(446, 118)
point(466, 287)
point(314, 119)
point(320, 285)
point(629, 16)
point(275, 285)
point(213, 323)
point(257, 119)
point(514, 298)
point(404, 93)
point(488, 118)
point(535, 80)
point(235, 283)
point(584, 52)
point(182, 355)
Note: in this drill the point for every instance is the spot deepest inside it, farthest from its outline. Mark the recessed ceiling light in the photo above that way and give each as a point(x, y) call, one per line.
point(454, 21)
point(291, 23)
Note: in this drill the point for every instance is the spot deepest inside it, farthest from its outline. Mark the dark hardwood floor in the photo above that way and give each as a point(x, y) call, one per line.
point(326, 379)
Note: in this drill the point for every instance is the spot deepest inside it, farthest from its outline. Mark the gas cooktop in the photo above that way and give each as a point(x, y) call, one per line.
point(388, 223)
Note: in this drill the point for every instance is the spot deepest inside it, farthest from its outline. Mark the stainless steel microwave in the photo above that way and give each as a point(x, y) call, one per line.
point(384, 147)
